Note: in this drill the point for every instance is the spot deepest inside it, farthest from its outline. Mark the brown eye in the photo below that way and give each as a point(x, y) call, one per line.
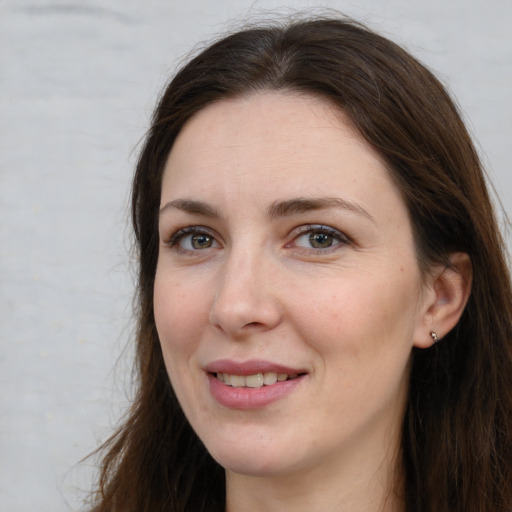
point(201, 241)
point(319, 240)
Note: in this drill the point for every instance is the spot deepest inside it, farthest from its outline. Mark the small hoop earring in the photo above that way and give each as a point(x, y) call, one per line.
point(434, 336)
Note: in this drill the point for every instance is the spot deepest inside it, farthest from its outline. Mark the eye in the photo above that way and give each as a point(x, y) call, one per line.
point(197, 241)
point(319, 238)
point(192, 238)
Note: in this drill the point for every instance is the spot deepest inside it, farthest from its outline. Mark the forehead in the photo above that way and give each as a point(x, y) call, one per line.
point(274, 144)
point(292, 116)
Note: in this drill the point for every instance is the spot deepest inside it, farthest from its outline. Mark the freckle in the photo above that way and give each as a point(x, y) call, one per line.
point(401, 269)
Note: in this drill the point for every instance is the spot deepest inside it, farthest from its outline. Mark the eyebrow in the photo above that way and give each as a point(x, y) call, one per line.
point(303, 205)
point(275, 210)
point(191, 206)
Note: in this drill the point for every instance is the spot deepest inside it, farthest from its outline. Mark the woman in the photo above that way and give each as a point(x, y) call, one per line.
point(324, 304)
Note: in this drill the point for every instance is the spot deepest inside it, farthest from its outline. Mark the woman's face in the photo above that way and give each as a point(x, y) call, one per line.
point(286, 253)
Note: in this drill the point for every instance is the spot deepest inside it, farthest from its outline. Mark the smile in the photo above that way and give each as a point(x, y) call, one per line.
point(252, 384)
point(256, 380)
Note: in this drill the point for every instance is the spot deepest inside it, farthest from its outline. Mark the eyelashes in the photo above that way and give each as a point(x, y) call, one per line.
point(193, 238)
point(318, 238)
point(310, 239)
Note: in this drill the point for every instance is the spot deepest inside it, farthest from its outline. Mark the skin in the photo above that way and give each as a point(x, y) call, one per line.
point(252, 287)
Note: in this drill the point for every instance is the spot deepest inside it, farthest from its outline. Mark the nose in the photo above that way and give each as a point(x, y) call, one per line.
point(246, 301)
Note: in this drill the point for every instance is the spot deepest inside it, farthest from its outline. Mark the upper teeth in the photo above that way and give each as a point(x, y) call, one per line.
point(256, 380)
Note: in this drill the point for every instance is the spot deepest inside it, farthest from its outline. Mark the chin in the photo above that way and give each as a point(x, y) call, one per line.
point(251, 460)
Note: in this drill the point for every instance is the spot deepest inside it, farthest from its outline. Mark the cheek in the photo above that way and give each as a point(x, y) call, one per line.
point(177, 317)
point(179, 325)
point(360, 312)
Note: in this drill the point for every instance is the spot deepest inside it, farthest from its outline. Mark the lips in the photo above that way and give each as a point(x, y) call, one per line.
point(250, 367)
point(252, 384)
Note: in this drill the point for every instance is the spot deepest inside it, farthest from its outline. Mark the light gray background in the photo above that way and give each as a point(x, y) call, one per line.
point(78, 80)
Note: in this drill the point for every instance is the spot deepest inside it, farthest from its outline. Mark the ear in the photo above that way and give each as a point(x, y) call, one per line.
point(445, 296)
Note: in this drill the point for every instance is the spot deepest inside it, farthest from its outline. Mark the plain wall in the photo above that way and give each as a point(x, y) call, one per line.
point(78, 81)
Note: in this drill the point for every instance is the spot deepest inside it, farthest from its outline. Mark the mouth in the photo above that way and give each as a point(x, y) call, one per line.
point(252, 384)
point(256, 380)
point(245, 390)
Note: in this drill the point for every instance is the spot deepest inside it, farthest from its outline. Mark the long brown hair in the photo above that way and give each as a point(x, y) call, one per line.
point(457, 430)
